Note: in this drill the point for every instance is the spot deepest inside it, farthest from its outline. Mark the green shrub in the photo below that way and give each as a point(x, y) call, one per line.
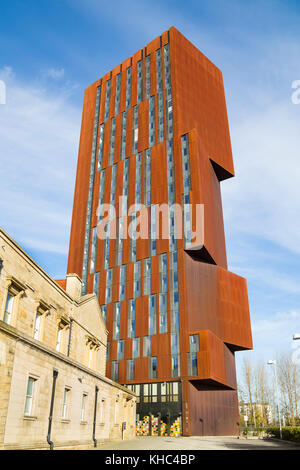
point(289, 433)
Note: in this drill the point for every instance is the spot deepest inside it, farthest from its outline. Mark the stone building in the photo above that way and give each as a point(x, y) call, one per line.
point(53, 389)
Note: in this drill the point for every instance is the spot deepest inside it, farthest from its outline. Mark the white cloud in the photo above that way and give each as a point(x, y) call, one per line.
point(39, 134)
point(54, 73)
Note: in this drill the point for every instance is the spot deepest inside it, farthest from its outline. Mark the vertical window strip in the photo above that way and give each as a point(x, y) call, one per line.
point(138, 179)
point(100, 147)
point(131, 318)
point(107, 100)
point(108, 286)
point(96, 284)
point(153, 235)
point(90, 195)
point(132, 240)
point(106, 247)
point(140, 81)
point(112, 140)
point(147, 276)
point(118, 94)
point(104, 313)
point(101, 195)
point(130, 369)
point(93, 250)
point(113, 187)
point(119, 244)
point(152, 314)
point(147, 178)
point(136, 348)
point(122, 282)
point(128, 87)
point(135, 130)
point(147, 77)
point(151, 121)
point(123, 136)
point(117, 321)
point(137, 280)
point(160, 99)
point(160, 119)
point(125, 187)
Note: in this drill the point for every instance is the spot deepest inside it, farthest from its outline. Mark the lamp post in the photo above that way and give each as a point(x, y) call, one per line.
point(273, 362)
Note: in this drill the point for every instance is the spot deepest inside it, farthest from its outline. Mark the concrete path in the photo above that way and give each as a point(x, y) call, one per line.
point(198, 443)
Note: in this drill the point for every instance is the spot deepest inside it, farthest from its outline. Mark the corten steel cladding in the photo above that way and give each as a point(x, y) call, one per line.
point(213, 302)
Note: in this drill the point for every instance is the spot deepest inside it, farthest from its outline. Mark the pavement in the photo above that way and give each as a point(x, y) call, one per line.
point(198, 443)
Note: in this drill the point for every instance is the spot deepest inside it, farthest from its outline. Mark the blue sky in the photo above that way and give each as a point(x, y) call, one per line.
point(52, 50)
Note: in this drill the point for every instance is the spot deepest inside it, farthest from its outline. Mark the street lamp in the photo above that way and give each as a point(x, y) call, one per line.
point(274, 363)
point(296, 336)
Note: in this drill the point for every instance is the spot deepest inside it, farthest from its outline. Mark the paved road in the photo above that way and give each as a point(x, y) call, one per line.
point(198, 443)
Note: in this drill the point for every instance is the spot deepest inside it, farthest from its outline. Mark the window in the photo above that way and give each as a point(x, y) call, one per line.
point(135, 129)
point(147, 346)
point(130, 369)
point(192, 364)
point(138, 179)
point(106, 247)
point(152, 314)
point(29, 396)
point(128, 87)
point(137, 279)
point(140, 81)
point(163, 322)
point(147, 276)
point(64, 414)
point(83, 406)
point(118, 91)
point(153, 235)
point(119, 243)
point(108, 292)
point(113, 184)
point(112, 140)
point(132, 239)
point(123, 135)
point(153, 368)
point(147, 77)
point(117, 320)
point(37, 325)
point(135, 347)
point(125, 186)
point(107, 350)
point(175, 365)
point(175, 343)
point(100, 147)
point(8, 308)
point(101, 195)
point(120, 350)
point(163, 273)
point(122, 284)
point(147, 178)
point(160, 99)
point(194, 343)
point(107, 100)
point(131, 318)
point(96, 284)
point(104, 312)
point(94, 250)
point(59, 338)
point(115, 370)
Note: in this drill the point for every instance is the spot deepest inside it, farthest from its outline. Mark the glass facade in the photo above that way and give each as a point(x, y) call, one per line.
point(90, 195)
point(140, 81)
point(118, 93)
point(128, 88)
point(107, 100)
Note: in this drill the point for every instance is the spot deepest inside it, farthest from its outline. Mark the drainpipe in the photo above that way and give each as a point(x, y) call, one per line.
point(55, 374)
point(70, 336)
point(95, 416)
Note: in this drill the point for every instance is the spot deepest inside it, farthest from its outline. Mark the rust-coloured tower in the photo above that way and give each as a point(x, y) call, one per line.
point(155, 129)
